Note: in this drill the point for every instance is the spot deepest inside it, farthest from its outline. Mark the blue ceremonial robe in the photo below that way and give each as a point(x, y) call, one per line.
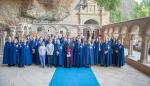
point(76, 58)
point(108, 54)
point(87, 54)
point(114, 54)
point(120, 59)
point(101, 53)
point(96, 60)
point(84, 54)
point(45, 41)
point(33, 45)
point(75, 53)
point(37, 58)
point(26, 57)
point(16, 53)
point(91, 51)
point(7, 56)
point(55, 56)
point(80, 55)
point(61, 55)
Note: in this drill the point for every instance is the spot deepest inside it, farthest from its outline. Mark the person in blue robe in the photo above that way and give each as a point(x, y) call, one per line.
point(62, 40)
point(95, 48)
point(61, 54)
point(38, 44)
point(45, 40)
point(86, 56)
point(16, 52)
point(65, 43)
point(73, 45)
point(80, 53)
point(55, 53)
point(33, 45)
point(100, 47)
point(108, 54)
point(7, 56)
point(114, 54)
point(75, 53)
point(91, 51)
point(25, 58)
point(120, 55)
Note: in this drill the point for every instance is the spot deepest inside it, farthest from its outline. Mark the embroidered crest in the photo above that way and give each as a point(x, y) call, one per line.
point(61, 47)
point(120, 47)
point(108, 47)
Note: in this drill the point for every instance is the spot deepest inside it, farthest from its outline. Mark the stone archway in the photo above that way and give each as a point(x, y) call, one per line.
point(51, 30)
point(91, 21)
point(86, 32)
point(62, 30)
point(41, 31)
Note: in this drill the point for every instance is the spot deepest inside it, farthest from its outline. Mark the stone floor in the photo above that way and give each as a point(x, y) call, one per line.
point(125, 76)
point(36, 76)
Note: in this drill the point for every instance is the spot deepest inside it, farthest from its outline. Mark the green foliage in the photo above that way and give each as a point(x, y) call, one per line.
point(142, 10)
point(111, 5)
point(108, 4)
point(115, 16)
point(138, 11)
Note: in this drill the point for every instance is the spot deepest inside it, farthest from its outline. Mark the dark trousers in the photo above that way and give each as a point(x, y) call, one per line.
point(50, 60)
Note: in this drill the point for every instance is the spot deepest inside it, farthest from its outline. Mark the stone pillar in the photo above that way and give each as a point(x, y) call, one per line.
point(116, 35)
point(130, 45)
point(109, 34)
point(13, 34)
point(147, 51)
point(144, 49)
point(90, 36)
point(122, 38)
point(4, 37)
point(105, 36)
point(81, 32)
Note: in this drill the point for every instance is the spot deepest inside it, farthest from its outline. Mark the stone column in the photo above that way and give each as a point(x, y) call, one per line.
point(147, 51)
point(122, 38)
point(130, 45)
point(116, 35)
point(81, 32)
point(13, 34)
point(90, 36)
point(144, 49)
point(4, 37)
point(105, 36)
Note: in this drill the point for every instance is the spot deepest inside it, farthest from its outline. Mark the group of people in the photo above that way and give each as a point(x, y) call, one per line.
point(63, 52)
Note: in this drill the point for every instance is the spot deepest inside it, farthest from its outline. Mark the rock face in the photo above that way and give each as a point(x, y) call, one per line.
point(14, 11)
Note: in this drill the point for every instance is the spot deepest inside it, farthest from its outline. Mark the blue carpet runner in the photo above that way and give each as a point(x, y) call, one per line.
point(74, 77)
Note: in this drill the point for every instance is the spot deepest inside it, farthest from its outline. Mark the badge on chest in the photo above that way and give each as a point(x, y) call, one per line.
point(108, 47)
point(17, 45)
point(61, 47)
point(27, 46)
